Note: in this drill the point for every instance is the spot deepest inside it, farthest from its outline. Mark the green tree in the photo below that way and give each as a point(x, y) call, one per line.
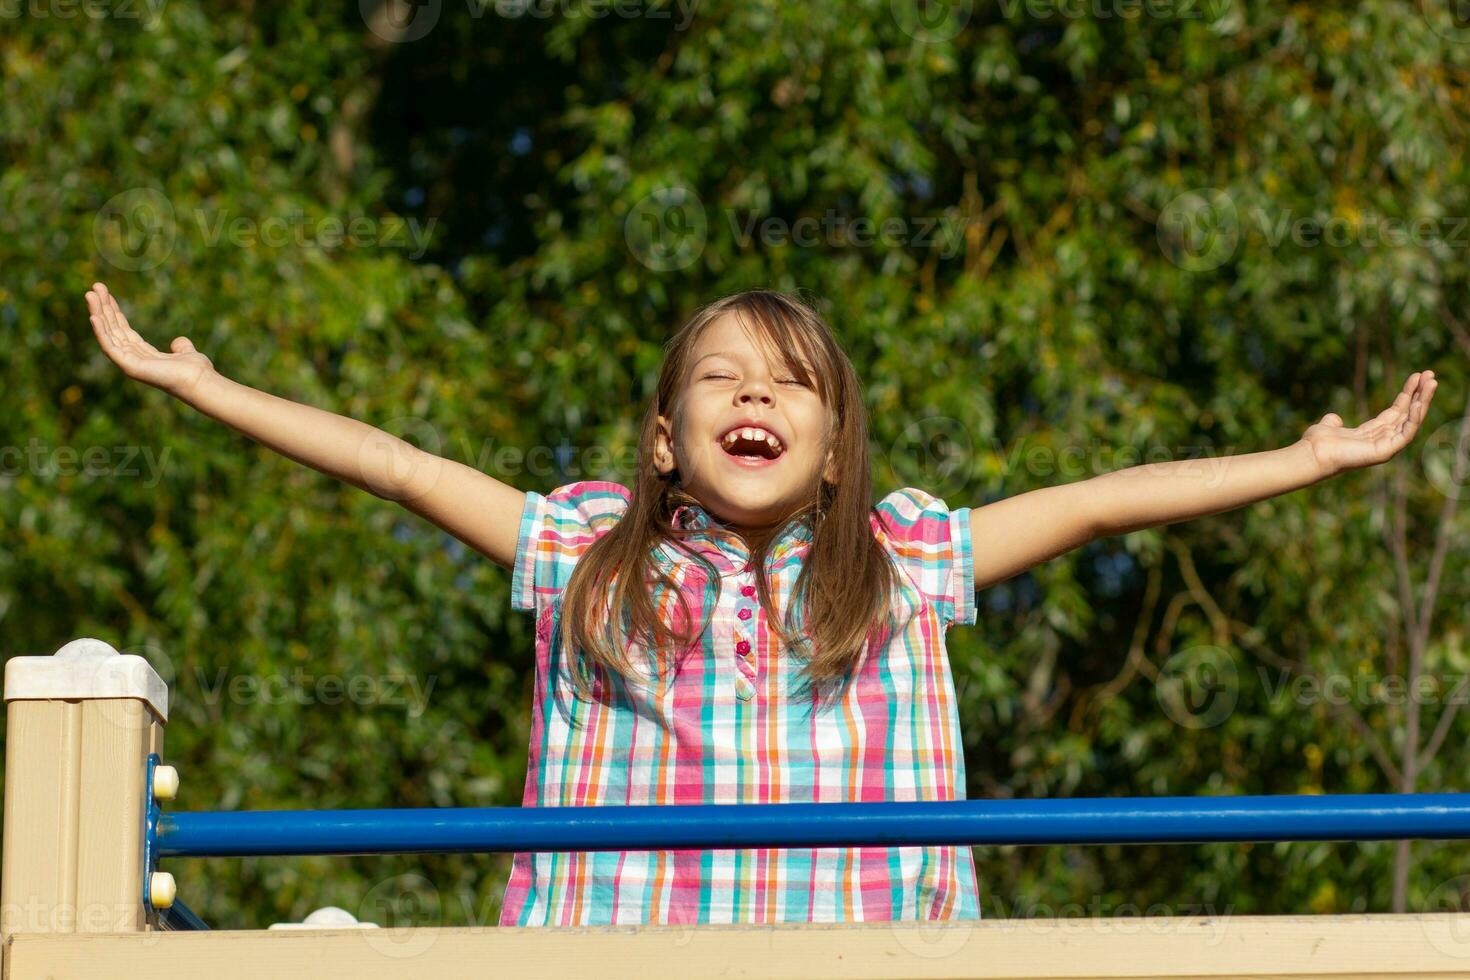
point(1093, 237)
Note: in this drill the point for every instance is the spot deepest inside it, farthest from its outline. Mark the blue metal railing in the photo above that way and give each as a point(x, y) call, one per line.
point(1162, 820)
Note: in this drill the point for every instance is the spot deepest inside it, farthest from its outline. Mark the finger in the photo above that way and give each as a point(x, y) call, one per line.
point(116, 354)
point(107, 333)
point(1408, 424)
point(97, 302)
point(1405, 396)
point(101, 333)
point(1394, 413)
point(1422, 399)
point(99, 319)
point(115, 313)
point(122, 317)
point(182, 345)
point(120, 334)
point(108, 302)
point(109, 313)
point(125, 333)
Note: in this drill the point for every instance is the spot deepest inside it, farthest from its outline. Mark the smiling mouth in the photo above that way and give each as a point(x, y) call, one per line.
point(752, 445)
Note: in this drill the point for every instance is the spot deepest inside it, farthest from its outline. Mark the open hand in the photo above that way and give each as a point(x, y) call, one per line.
point(177, 373)
point(1377, 440)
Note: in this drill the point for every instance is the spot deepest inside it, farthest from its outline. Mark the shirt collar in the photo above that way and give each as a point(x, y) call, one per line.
point(725, 544)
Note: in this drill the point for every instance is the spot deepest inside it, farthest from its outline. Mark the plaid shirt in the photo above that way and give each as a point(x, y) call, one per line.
point(726, 727)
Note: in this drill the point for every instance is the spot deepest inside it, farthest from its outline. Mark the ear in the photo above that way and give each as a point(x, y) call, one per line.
point(663, 446)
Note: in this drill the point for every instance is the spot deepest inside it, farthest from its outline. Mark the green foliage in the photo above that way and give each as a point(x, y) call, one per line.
point(1090, 262)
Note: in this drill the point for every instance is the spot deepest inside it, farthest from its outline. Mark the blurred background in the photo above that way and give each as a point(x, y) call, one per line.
point(1058, 237)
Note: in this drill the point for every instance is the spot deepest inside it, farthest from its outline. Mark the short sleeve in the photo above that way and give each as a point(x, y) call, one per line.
point(556, 529)
point(931, 543)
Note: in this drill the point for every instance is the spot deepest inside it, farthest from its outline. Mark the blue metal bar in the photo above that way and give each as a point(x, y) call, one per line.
point(1164, 820)
point(178, 917)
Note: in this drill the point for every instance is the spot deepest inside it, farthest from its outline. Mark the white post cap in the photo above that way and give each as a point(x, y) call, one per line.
point(85, 669)
point(326, 917)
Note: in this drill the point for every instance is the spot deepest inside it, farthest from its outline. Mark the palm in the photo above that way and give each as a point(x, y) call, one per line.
point(1338, 448)
point(177, 372)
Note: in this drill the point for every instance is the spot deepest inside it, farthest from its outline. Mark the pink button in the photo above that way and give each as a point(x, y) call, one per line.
point(742, 647)
point(743, 614)
point(747, 590)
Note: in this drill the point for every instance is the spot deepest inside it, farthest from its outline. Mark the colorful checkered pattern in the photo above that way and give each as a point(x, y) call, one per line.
point(732, 725)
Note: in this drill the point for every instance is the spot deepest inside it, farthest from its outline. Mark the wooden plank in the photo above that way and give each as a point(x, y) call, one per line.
point(42, 761)
point(116, 737)
point(74, 815)
point(1433, 945)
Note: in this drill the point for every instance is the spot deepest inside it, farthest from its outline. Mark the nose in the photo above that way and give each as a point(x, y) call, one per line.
point(755, 388)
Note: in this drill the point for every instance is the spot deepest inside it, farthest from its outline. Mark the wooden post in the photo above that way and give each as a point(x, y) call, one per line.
point(79, 727)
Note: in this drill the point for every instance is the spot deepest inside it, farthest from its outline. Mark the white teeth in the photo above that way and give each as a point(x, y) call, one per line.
point(754, 434)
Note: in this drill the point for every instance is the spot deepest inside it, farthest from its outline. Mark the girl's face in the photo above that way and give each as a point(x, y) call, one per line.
point(751, 443)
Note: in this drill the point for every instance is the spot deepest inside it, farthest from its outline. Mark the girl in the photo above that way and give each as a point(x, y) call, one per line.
point(742, 625)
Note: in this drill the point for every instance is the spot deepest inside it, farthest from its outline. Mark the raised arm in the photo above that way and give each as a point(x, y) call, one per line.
point(1012, 535)
point(478, 509)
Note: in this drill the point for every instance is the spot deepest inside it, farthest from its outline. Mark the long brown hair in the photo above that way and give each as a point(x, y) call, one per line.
point(843, 592)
